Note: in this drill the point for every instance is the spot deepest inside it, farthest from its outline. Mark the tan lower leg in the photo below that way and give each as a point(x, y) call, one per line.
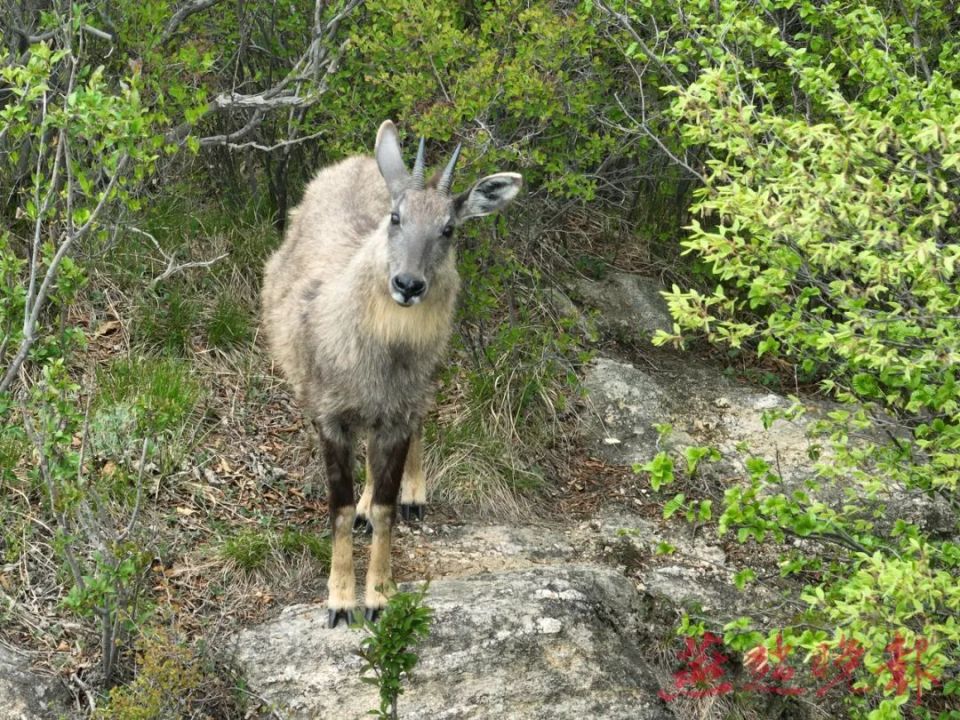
point(379, 575)
point(413, 488)
point(341, 585)
point(366, 499)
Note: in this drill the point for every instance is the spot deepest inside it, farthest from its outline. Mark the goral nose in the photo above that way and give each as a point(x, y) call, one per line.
point(408, 286)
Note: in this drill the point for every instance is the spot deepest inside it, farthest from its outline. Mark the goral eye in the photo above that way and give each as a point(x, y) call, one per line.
point(395, 218)
point(447, 231)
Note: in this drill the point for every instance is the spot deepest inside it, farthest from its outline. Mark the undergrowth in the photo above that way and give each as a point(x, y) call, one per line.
point(508, 403)
point(175, 678)
point(249, 549)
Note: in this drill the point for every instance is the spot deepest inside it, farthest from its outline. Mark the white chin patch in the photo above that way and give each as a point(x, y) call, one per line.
point(402, 301)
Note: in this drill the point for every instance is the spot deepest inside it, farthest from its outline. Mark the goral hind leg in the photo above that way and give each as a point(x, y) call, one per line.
point(413, 489)
point(363, 521)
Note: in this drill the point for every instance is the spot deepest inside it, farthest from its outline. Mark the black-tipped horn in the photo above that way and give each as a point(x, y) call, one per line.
point(446, 180)
point(417, 175)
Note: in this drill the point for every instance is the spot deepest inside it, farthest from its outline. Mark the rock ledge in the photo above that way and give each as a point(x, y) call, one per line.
point(558, 642)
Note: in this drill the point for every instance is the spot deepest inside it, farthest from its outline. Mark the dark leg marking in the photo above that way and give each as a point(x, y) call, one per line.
point(338, 458)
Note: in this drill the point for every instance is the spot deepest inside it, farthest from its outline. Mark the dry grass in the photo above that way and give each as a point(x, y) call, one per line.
point(483, 479)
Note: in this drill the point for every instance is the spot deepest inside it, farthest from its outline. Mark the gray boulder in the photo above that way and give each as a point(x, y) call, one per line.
point(697, 572)
point(629, 307)
point(624, 405)
point(554, 641)
point(703, 406)
point(26, 695)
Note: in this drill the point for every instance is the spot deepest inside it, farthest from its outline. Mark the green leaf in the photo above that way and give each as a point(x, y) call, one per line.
point(743, 577)
point(673, 505)
point(665, 548)
point(660, 469)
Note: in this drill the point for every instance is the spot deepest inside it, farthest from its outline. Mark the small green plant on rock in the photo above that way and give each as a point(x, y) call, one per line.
point(386, 650)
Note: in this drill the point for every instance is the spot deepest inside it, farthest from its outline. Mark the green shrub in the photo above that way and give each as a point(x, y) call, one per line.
point(524, 82)
point(828, 222)
point(95, 537)
point(173, 679)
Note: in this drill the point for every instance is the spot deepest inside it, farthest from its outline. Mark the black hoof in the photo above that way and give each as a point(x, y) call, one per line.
point(412, 512)
point(333, 617)
point(362, 524)
point(372, 614)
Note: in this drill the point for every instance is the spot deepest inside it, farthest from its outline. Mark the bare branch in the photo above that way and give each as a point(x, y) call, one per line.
point(86, 691)
point(624, 22)
point(226, 139)
point(276, 146)
point(260, 101)
point(49, 34)
point(31, 318)
point(41, 211)
point(642, 124)
point(96, 32)
point(34, 39)
point(172, 266)
point(181, 15)
point(316, 64)
point(125, 533)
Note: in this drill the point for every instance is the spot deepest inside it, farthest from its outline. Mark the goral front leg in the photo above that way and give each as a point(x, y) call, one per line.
point(341, 587)
point(413, 488)
point(387, 452)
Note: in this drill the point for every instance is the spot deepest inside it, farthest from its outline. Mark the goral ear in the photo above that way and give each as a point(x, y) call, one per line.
point(389, 159)
point(489, 194)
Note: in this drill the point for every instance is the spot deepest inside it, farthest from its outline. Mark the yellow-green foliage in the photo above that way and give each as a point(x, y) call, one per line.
point(828, 224)
point(524, 82)
point(168, 683)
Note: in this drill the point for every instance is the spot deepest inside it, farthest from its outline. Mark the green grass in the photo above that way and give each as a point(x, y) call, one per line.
point(472, 465)
point(294, 542)
point(251, 243)
point(13, 447)
point(229, 323)
point(250, 549)
point(215, 303)
point(166, 322)
point(160, 392)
